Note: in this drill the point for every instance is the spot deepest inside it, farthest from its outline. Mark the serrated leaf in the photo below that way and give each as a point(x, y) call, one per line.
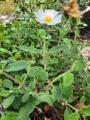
point(74, 116)
point(68, 79)
point(85, 110)
point(17, 66)
point(8, 101)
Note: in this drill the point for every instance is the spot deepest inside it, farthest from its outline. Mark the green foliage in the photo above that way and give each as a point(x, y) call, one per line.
point(16, 66)
point(78, 65)
point(85, 110)
point(26, 109)
point(40, 65)
point(68, 79)
point(4, 93)
point(74, 116)
point(38, 73)
point(8, 101)
point(9, 116)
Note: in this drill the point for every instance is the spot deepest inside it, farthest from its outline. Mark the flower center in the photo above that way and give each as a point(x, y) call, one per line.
point(48, 19)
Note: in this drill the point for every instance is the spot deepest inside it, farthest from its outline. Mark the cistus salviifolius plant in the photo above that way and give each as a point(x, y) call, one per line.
point(42, 67)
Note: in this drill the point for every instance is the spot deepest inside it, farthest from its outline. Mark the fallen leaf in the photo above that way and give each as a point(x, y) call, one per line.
point(80, 105)
point(72, 9)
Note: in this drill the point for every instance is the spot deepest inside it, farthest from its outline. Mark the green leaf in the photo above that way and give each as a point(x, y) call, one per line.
point(9, 116)
point(3, 50)
point(55, 50)
point(26, 109)
point(56, 93)
point(4, 93)
point(41, 33)
point(16, 90)
point(31, 85)
point(8, 101)
point(82, 99)
point(7, 84)
point(67, 42)
point(30, 50)
point(25, 97)
point(66, 114)
point(74, 116)
point(68, 79)
point(38, 73)
point(78, 65)
point(17, 66)
point(67, 92)
point(44, 97)
point(17, 103)
point(85, 110)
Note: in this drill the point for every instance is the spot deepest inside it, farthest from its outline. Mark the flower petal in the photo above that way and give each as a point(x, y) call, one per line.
point(51, 13)
point(40, 21)
point(56, 20)
point(39, 14)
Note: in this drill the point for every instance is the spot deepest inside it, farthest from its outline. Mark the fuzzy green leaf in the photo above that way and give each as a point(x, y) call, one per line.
point(74, 116)
point(8, 101)
point(85, 110)
point(17, 66)
point(68, 79)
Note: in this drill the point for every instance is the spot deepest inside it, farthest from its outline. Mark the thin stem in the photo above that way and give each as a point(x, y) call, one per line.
point(11, 78)
point(45, 54)
point(75, 33)
point(56, 79)
point(26, 76)
point(73, 108)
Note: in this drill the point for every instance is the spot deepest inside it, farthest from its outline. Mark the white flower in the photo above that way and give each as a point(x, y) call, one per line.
point(49, 17)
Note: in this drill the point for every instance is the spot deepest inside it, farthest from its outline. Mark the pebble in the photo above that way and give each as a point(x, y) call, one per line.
point(7, 18)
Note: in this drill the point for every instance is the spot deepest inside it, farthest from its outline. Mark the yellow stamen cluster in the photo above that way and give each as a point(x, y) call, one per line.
point(48, 19)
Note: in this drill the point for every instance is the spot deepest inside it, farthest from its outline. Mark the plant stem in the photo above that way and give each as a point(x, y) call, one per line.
point(61, 75)
point(73, 108)
point(45, 54)
point(10, 77)
point(75, 33)
point(25, 78)
point(57, 78)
